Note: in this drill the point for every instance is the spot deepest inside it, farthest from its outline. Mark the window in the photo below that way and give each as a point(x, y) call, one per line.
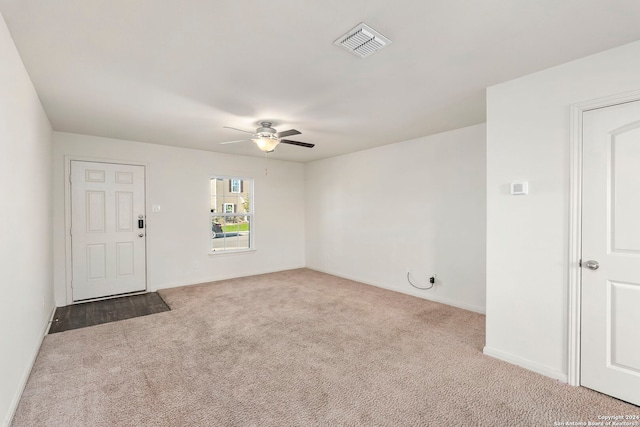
point(235, 186)
point(231, 214)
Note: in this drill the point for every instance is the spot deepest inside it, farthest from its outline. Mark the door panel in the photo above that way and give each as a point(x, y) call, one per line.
point(610, 338)
point(625, 183)
point(623, 317)
point(124, 259)
point(124, 211)
point(95, 211)
point(107, 247)
point(96, 262)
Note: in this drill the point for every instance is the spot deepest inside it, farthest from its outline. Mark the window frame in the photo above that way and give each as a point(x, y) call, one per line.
point(247, 185)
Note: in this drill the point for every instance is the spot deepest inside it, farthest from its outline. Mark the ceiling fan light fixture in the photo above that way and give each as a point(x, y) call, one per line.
point(266, 143)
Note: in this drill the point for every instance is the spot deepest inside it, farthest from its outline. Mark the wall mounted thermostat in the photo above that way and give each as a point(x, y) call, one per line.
point(519, 188)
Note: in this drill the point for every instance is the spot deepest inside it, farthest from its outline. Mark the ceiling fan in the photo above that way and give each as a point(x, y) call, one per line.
point(267, 138)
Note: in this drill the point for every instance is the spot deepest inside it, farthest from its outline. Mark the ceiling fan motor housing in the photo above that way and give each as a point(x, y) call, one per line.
point(265, 129)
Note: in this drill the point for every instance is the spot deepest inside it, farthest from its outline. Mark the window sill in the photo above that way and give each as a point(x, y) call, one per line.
point(231, 252)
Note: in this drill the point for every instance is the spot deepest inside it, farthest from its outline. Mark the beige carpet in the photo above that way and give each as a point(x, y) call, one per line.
point(293, 348)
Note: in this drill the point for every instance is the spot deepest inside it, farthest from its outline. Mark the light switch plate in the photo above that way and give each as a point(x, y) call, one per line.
point(155, 208)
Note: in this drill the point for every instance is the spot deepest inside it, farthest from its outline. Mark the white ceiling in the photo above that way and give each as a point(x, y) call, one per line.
point(175, 72)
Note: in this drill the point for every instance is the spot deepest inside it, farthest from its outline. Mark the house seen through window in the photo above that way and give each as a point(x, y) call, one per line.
point(231, 214)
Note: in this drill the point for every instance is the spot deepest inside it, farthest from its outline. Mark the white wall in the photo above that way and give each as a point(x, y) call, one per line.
point(178, 181)
point(416, 206)
point(25, 225)
point(528, 127)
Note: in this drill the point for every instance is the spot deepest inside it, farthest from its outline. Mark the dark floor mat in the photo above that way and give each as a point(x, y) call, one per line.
point(105, 311)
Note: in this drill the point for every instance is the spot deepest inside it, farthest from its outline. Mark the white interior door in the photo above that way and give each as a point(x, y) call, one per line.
point(107, 241)
point(610, 326)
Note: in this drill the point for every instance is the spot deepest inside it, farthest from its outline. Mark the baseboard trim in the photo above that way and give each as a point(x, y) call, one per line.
point(527, 364)
point(411, 292)
point(25, 377)
point(217, 278)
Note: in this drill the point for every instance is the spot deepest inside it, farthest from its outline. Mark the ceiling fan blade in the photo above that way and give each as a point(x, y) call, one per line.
point(286, 133)
point(300, 144)
point(231, 142)
point(241, 130)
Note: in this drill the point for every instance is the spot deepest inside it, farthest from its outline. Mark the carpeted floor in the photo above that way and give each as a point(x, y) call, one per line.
point(293, 348)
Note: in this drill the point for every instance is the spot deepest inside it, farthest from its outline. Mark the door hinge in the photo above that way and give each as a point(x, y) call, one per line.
point(580, 263)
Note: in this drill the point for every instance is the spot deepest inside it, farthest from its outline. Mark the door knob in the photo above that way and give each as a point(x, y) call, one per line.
point(142, 235)
point(592, 265)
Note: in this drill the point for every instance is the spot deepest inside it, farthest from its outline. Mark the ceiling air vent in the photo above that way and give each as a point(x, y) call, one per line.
point(362, 41)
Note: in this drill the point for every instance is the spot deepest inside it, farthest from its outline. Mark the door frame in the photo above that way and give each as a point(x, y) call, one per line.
point(575, 224)
point(67, 217)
